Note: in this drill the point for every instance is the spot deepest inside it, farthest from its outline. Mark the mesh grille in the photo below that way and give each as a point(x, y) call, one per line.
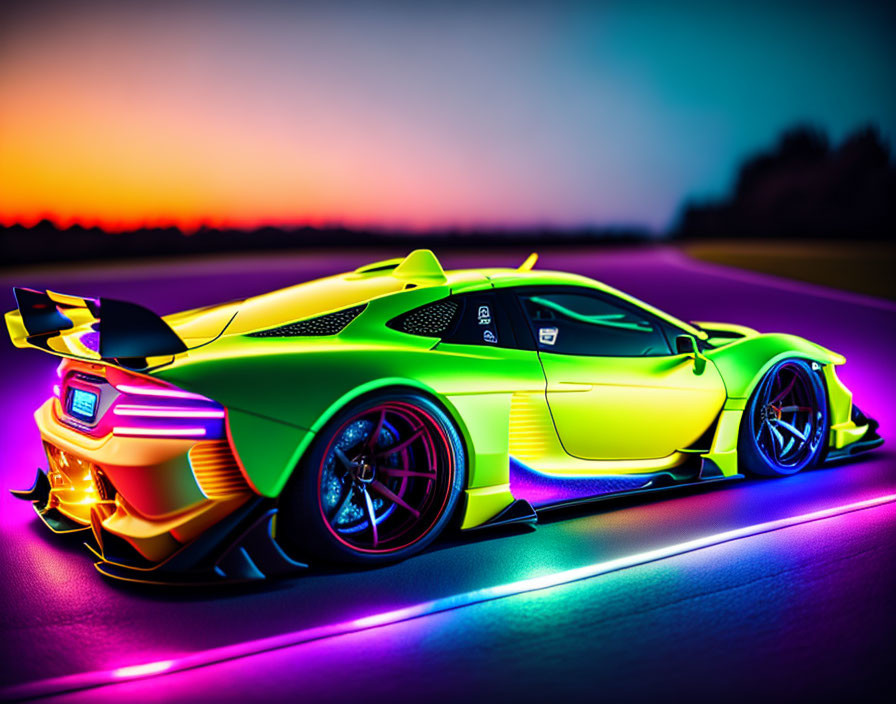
point(216, 470)
point(328, 324)
point(103, 487)
point(433, 319)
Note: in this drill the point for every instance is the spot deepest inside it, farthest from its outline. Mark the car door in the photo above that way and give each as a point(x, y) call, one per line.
point(615, 388)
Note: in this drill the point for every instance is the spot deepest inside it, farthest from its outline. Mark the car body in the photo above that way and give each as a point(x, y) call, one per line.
point(177, 442)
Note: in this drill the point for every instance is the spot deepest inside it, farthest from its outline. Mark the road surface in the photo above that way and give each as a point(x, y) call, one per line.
point(804, 610)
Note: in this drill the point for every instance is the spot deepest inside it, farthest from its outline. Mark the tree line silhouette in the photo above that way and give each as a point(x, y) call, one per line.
point(802, 188)
point(805, 188)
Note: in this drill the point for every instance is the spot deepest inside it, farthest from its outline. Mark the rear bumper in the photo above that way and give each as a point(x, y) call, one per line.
point(240, 548)
point(155, 510)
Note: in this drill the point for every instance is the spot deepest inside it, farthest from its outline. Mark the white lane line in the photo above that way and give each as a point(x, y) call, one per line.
point(99, 678)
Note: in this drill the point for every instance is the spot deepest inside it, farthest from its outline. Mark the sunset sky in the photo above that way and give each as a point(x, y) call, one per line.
point(415, 115)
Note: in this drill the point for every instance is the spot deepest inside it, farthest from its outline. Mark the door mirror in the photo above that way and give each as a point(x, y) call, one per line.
point(687, 344)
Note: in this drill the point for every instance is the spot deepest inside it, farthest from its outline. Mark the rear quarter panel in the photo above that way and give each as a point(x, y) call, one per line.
point(281, 392)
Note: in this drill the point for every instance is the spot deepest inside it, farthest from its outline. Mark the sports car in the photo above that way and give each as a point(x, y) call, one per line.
point(354, 418)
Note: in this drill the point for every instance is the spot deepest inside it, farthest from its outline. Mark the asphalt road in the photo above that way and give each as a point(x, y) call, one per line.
point(803, 611)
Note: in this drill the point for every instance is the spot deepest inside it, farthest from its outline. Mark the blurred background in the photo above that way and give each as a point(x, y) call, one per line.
point(753, 135)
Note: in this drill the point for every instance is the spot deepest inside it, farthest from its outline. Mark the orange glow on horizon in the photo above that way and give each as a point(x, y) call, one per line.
point(104, 130)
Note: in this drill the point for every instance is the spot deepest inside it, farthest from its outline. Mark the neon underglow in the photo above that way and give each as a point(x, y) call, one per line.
point(164, 393)
point(155, 412)
point(48, 687)
point(159, 432)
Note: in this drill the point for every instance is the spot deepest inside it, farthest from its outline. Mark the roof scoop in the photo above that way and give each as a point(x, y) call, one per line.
point(420, 266)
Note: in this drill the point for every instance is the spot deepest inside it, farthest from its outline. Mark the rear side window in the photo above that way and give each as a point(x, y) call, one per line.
point(583, 324)
point(466, 319)
point(480, 323)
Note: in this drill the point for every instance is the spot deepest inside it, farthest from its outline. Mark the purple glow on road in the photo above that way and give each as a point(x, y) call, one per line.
point(546, 581)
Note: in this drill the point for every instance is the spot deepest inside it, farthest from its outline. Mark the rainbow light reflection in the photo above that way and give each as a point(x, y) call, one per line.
point(48, 687)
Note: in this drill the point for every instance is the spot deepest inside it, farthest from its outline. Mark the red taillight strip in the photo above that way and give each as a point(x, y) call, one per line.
point(156, 412)
point(159, 432)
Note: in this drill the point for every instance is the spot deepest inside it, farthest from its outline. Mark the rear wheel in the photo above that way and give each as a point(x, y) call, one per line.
point(785, 424)
point(378, 485)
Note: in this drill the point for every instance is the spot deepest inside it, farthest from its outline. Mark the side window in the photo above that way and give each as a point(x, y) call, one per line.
point(466, 319)
point(481, 322)
point(584, 324)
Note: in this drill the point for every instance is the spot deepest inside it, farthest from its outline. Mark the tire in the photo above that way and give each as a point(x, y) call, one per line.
point(785, 425)
point(379, 483)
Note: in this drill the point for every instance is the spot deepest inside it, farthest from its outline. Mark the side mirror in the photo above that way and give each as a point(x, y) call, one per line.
point(687, 344)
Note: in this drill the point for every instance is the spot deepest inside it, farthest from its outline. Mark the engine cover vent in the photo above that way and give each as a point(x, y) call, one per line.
point(433, 320)
point(329, 324)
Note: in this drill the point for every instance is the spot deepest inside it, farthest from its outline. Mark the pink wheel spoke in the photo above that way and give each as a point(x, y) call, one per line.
point(396, 472)
point(400, 446)
point(786, 391)
point(387, 493)
point(375, 434)
point(371, 516)
point(796, 409)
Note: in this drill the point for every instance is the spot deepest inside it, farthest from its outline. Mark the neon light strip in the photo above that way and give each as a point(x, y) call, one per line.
point(159, 432)
point(86, 680)
point(154, 412)
point(165, 393)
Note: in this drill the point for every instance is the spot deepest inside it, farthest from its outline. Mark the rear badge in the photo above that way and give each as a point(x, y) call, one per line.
point(485, 315)
point(547, 336)
point(489, 336)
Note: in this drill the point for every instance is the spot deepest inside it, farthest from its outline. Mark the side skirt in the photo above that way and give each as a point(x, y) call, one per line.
point(645, 490)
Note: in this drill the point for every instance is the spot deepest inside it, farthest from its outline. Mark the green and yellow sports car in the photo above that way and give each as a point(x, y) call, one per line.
point(353, 418)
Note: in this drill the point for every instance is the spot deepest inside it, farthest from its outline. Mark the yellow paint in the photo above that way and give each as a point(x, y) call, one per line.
point(724, 445)
point(485, 503)
point(630, 408)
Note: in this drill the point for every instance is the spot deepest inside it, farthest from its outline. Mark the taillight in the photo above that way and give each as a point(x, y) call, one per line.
point(98, 400)
point(149, 409)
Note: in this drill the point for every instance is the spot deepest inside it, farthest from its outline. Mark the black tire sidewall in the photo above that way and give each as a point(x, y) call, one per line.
point(301, 527)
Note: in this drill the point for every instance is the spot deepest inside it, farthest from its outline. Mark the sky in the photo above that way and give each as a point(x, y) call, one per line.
point(416, 115)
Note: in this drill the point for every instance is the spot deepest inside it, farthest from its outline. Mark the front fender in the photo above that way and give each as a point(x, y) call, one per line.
point(743, 363)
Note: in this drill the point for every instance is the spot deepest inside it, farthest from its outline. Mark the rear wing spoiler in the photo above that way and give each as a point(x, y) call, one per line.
point(98, 329)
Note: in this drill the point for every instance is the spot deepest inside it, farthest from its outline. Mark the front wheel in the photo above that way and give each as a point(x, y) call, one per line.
point(378, 485)
point(785, 424)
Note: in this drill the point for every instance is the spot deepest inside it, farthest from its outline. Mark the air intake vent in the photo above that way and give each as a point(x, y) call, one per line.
point(216, 470)
point(329, 324)
point(433, 320)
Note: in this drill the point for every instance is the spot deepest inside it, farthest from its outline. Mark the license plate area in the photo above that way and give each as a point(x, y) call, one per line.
point(82, 404)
